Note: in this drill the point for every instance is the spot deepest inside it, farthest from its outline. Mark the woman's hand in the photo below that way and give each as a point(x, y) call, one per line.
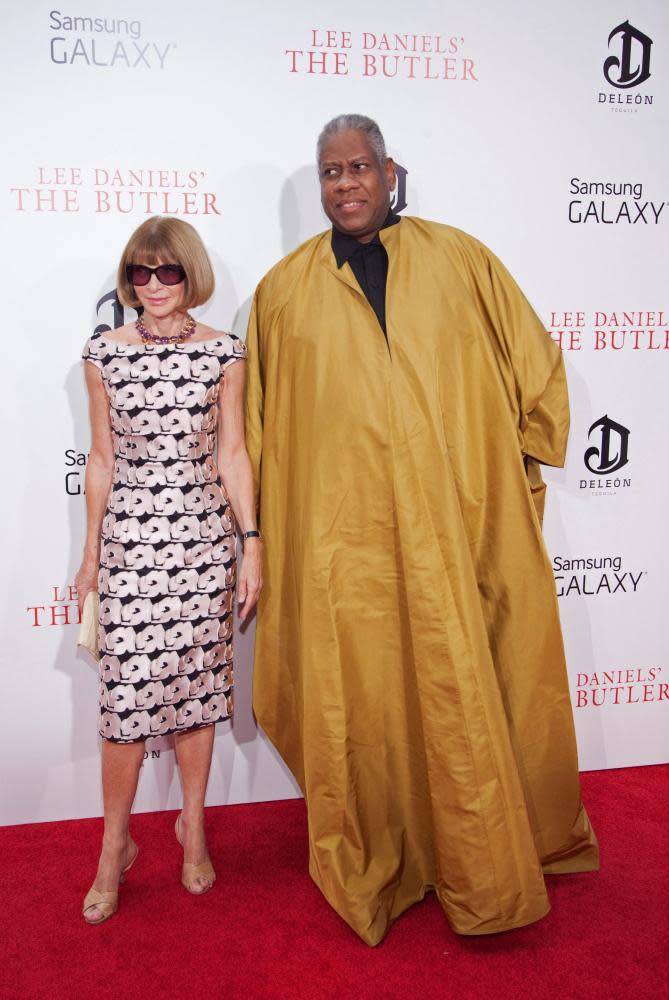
point(85, 580)
point(250, 577)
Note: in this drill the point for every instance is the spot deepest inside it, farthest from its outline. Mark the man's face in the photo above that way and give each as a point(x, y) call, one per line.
point(355, 187)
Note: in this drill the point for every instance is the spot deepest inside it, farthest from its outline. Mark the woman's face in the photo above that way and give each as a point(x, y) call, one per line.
point(158, 300)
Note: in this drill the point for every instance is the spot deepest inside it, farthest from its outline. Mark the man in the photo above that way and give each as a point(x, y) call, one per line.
point(409, 663)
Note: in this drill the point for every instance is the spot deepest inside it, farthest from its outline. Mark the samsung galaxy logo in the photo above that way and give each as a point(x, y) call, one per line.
point(119, 43)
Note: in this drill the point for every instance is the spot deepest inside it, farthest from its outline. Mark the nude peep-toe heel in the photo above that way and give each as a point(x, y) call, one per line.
point(190, 873)
point(106, 901)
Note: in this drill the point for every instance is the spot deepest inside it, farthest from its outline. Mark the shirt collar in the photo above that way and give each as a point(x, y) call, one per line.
point(344, 246)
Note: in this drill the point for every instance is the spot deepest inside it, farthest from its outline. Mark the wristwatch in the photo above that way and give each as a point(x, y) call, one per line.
point(250, 534)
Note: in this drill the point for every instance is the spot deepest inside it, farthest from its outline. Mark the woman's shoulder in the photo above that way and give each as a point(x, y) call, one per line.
point(105, 343)
point(219, 341)
point(227, 347)
point(123, 335)
point(94, 350)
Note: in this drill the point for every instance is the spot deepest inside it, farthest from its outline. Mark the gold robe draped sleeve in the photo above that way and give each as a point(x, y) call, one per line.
point(409, 664)
point(539, 379)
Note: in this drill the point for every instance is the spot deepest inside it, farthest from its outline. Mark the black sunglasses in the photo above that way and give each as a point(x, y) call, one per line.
point(167, 274)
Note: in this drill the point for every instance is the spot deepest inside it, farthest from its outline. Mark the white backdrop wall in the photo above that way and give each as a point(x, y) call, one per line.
point(510, 120)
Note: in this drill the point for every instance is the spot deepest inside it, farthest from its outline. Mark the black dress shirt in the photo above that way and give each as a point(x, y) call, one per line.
point(369, 263)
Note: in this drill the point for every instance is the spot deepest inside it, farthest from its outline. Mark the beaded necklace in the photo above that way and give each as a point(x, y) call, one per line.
point(178, 338)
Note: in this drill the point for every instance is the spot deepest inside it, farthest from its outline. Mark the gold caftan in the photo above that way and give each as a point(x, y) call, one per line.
point(409, 664)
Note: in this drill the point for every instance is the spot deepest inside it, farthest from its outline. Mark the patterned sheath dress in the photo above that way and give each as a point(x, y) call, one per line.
point(167, 551)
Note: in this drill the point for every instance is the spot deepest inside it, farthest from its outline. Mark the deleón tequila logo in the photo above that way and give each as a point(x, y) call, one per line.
point(611, 453)
point(110, 301)
point(398, 200)
point(632, 66)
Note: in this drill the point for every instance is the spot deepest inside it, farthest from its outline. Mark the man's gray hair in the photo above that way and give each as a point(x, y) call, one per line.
point(342, 123)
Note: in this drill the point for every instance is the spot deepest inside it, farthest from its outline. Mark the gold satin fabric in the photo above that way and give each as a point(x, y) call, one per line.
point(409, 663)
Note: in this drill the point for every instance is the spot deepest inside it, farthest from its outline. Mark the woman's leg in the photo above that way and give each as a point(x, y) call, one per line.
point(194, 750)
point(120, 772)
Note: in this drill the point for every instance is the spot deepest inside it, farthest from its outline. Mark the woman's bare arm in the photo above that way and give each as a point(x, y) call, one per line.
point(237, 478)
point(99, 470)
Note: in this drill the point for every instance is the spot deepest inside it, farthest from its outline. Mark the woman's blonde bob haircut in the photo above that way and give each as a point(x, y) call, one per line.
point(165, 240)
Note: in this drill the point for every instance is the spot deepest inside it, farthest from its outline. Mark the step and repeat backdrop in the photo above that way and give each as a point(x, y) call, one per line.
point(540, 129)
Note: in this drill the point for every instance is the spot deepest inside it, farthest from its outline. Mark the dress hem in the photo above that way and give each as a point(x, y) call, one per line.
point(170, 732)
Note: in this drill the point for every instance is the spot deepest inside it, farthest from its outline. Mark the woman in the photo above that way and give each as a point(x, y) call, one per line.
point(160, 542)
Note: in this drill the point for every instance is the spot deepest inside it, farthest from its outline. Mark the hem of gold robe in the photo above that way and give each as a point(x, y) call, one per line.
point(376, 932)
point(579, 854)
point(572, 865)
point(498, 925)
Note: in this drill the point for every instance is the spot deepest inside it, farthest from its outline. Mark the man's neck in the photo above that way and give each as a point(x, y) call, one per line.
point(390, 220)
point(343, 244)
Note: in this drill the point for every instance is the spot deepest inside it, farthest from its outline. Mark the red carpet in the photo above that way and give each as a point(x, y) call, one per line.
point(265, 931)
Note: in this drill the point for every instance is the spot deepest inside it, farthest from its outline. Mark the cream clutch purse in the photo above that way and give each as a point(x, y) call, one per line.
point(88, 630)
